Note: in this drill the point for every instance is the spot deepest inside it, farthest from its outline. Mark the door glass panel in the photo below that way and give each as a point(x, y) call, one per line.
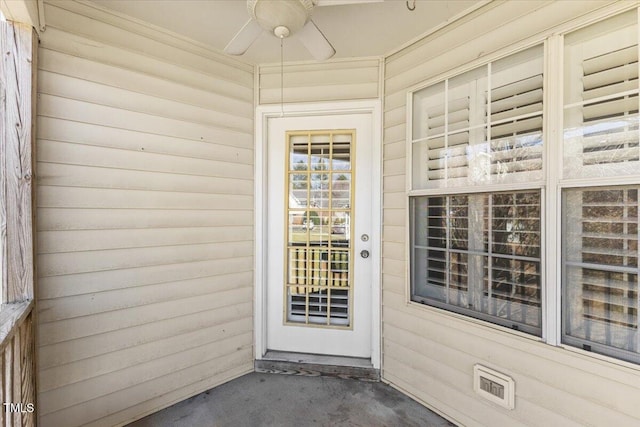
point(299, 158)
point(341, 152)
point(318, 286)
point(298, 188)
point(341, 190)
point(340, 227)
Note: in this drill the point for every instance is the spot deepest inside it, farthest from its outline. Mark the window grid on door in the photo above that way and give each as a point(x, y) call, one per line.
point(319, 210)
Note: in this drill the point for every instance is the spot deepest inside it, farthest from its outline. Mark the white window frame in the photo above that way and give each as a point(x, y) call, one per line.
point(583, 183)
point(480, 315)
point(552, 187)
point(477, 189)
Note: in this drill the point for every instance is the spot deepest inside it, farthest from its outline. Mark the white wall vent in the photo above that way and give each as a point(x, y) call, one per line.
point(494, 386)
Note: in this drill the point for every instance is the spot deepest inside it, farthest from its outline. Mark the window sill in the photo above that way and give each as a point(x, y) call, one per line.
point(11, 317)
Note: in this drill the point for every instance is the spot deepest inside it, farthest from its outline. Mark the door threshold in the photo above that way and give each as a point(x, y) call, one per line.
point(280, 362)
point(317, 359)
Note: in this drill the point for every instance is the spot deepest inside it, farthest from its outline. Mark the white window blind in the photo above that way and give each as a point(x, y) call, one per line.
point(516, 120)
point(600, 223)
point(483, 126)
point(600, 261)
point(601, 100)
point(479, 254)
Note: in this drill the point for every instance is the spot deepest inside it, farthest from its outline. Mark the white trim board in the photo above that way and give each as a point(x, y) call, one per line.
point(263, 113)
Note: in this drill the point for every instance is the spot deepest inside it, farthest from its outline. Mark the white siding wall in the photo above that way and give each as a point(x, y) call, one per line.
point(337, 80)
point(430, 354)
point(145, 229)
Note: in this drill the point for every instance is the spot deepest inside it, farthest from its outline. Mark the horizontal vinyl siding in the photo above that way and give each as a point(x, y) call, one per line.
point(430, 354)
point(144, 218)
point(340, 80)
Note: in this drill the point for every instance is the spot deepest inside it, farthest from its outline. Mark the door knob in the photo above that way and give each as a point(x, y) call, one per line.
point(364, 253)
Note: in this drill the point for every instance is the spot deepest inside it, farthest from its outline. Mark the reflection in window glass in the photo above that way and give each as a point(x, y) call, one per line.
point(601, 100)
point(600, 269)
point(479, 254)
point(481, 127)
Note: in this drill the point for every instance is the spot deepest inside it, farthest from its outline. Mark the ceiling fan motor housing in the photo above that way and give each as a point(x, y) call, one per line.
point(270, 14)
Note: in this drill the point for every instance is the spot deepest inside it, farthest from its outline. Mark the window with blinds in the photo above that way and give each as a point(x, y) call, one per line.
point(516, 117)
point(600, 260)
point(601, 100)
point(482, 126)
point(479, 254)
point(600, 222)
point(479, 176)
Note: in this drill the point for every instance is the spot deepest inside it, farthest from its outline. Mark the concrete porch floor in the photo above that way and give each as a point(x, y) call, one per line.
point(266, 399)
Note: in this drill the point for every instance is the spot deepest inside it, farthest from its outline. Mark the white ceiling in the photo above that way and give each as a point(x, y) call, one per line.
point(355, 30)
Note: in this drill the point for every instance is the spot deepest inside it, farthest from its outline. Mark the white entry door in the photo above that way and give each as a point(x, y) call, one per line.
point(319, 227)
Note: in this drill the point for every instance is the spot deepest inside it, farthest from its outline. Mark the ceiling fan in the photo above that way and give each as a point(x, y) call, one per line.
point(284, 18)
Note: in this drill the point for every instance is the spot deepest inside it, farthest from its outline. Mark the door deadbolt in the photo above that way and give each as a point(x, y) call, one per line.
point(364, 237)
point(364, 253)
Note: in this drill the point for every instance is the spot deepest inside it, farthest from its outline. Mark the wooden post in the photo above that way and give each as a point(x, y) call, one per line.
point(17, 141)
point(18, 68)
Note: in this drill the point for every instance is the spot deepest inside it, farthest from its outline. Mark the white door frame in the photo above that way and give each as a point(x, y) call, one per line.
point(263, 114)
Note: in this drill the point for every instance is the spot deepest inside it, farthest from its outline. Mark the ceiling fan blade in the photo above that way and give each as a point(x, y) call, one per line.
point(315, 42)
point(244, 38)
